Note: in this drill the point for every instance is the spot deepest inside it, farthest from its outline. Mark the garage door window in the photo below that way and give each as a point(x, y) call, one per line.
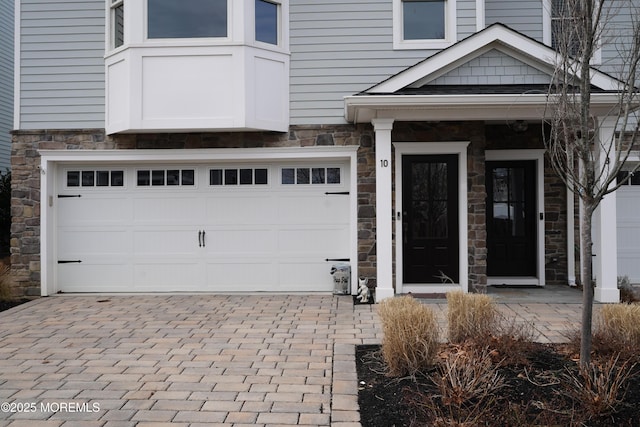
point(310, 176)
point(166, 177)
point(238, 176)
point(633, 180)
point(95, 178)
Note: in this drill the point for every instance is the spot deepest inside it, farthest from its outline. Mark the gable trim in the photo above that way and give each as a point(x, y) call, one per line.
point(497, 36)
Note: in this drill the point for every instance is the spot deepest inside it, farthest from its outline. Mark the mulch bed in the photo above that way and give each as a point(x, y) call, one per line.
point(535, 394)
point(6, 305)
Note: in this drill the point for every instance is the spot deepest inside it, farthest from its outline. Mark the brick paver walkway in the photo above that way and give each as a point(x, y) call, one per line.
point(191, 360)
point(185, 360)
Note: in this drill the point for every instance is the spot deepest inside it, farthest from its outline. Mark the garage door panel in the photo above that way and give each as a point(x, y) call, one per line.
point(240, 274)
point(629, 237)
point(305, 276)
point(313, 209)
point(213, 236)
point(90, 276)
point(87, 211)
point(628, 231)
point(321, 241)
point(165, 243)
point(92, 241)
point(177, 275)
point(168, 209)
point(245, 240)
point(231, 209)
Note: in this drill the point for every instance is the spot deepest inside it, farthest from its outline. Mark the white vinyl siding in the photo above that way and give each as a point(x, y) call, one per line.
point(339, 49)
point(62, 66)
point(342, 48)
point(524, 16)
point(466, 17)
point(6, 82)
point(611, 59)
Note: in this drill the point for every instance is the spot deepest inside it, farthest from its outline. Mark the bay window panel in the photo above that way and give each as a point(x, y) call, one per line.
point(186, 18)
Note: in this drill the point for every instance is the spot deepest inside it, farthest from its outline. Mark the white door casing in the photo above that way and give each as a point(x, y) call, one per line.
point(538, 157)
point(454, 147)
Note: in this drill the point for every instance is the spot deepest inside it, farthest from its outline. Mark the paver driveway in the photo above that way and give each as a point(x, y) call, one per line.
point(182, 359)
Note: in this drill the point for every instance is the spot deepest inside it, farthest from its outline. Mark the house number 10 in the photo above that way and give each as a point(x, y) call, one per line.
point(384, 163)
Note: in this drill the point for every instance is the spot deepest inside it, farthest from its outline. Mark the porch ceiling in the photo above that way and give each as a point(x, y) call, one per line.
point(363, 108)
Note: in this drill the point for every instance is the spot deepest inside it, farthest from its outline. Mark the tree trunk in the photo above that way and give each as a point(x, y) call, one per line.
point(586, 253)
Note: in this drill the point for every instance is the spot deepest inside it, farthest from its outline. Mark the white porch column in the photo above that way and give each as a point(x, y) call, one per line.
point(605, 261)
point(384, 214)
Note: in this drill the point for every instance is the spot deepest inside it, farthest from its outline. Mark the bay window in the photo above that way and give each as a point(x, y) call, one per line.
point(197, 65)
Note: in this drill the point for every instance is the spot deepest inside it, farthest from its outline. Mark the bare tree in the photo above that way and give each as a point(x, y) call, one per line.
point(586, 163)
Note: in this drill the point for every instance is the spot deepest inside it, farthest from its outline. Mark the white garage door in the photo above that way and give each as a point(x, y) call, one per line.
point(628, 236)
point(227, 227)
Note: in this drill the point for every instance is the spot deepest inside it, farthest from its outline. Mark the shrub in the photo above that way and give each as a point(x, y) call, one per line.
point(410, 341)
point(467, 389)
point(617, 330)
point(470, 316)
point(513, 342)
point(599, 388)
point(5, 283)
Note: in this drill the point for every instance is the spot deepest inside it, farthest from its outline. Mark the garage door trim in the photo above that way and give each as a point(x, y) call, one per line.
point(52, 159)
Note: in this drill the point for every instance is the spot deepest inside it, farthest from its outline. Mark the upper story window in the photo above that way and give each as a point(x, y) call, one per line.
point(424, 24)
point(186, 18)
point(267, 17)
point(423, 20)
point(560, 30)
point(563, 31)
point(117, 23)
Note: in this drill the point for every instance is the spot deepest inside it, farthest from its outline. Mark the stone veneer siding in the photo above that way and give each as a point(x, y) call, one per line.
point(25, 186)
point(484, 137)
point(25, 241)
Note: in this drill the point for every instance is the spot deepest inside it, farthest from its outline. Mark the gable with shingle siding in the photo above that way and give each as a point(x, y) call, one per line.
point(493, 68)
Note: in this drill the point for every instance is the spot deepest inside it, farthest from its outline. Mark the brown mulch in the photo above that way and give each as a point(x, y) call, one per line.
point(6, 305)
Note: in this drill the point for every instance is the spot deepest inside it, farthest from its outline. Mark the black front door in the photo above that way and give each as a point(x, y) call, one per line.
point(430, 219)
point(511, 218)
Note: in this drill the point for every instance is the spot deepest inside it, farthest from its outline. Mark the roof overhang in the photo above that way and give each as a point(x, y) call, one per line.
point(364, 108)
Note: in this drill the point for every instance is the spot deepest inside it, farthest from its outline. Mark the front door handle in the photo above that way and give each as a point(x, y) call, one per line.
point(199, 238)
point(204, 241)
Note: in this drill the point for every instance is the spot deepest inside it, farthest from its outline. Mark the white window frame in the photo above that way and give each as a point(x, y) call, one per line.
point(279, 26)
point(450, 29)
point(547, 31)
point(240, 27)
point(536, 155)
point(112, 5)
point(459, 148)
point(187, 40)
